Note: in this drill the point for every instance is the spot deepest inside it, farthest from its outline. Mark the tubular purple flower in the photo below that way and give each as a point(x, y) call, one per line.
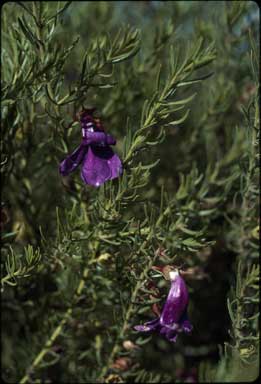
point(99, 162)
point(174, 318)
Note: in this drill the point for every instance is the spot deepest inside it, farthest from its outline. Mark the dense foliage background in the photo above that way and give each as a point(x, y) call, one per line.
point(173, 81)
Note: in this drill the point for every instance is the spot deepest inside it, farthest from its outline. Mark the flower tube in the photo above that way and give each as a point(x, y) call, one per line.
point(174, 317)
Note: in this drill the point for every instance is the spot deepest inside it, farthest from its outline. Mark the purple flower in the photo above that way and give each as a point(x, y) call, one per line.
point(99, 162)
point(174, 318)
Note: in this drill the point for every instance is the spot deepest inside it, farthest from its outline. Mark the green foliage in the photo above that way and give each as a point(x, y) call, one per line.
point(77, 262)
point(16, 270)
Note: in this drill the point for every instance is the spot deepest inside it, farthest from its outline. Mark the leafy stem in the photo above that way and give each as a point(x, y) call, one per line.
point(48, 345)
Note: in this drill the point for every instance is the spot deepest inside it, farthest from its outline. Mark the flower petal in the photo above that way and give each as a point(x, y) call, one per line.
point(173, 337)
point(185, 324)
point(173, 319)
point(169, 333)
point(72, 161)
point(98, 137)
point(147, 327)
point(100, 164)
point(176, 302)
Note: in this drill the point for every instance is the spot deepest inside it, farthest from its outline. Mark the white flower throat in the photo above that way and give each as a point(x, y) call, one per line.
point(173, 274)
point(87, 127)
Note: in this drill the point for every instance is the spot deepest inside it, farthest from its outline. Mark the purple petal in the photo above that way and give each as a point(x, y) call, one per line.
point(173, 337)
point(110, 140)
point(164, 331)
point(142, 328)
point(173, 319)
point(147, 327)
point(185, 324)
point(115, 166)
point(176, 303)
point(170, 327)
point(100, 164)
point(169, 333)
point(72, 161)
point(98, 137)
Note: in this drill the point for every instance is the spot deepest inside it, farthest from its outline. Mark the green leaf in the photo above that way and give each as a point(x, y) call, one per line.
point(181, 120)
point(28, 34)
point(194, 81)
